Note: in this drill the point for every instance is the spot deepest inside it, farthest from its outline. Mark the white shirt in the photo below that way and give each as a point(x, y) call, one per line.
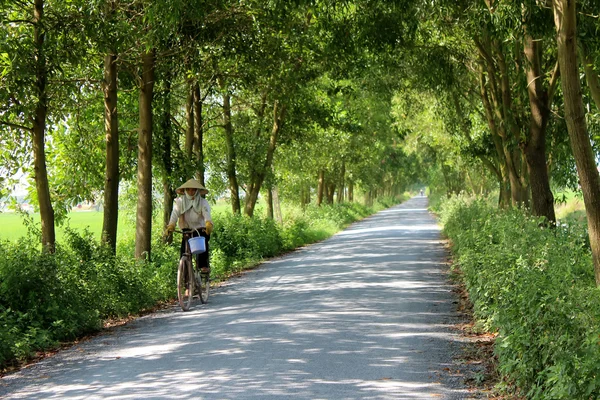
point(194, 216)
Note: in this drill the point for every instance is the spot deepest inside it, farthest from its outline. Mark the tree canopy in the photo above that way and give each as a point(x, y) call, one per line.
point(320, 100)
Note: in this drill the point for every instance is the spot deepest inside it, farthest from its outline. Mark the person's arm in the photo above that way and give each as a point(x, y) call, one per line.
point(207, 218)
point(206, 211)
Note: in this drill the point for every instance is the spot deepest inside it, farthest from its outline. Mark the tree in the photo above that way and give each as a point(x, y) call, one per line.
point(566, 28)
point(143, 232)
point(39, 42)
point(540, 100)
point(111, 123)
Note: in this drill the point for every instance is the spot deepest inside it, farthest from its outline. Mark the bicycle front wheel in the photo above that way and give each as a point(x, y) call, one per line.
point(185, 283)
point(204, 288)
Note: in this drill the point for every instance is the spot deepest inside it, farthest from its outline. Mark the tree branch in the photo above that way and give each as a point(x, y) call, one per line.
point(17, 21)
point(17, 126)
point(177, 125)
point(553, 83)
point(591, 76)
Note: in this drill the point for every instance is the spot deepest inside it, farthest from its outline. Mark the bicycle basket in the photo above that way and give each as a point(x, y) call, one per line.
point(197, 245)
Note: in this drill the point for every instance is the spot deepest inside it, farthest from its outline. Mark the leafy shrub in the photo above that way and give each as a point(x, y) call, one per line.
point(536, 287)
point(46, 299)
point(240, 240)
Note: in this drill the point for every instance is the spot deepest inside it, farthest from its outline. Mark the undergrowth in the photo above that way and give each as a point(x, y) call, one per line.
point(535, 287)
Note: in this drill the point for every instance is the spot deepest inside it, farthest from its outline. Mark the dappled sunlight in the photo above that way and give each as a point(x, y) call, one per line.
point(150, 352)
point(396, 210)
point(428, 227)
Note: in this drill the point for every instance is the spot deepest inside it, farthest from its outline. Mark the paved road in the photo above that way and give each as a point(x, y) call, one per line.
point(363, 315)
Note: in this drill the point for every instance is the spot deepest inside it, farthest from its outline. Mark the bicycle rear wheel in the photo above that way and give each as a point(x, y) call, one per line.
point(185, 283)
point(204, 288)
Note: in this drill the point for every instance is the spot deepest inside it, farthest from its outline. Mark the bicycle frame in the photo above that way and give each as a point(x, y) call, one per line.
point(201, 280)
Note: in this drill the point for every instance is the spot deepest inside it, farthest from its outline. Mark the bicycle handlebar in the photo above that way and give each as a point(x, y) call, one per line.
point(182, 231)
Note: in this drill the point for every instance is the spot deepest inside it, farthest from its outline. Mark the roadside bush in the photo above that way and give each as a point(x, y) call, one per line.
point(536, 288)
point(47, 299)
point(239, 240)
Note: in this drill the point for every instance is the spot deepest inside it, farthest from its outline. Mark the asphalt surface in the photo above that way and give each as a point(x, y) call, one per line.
point(366, 314)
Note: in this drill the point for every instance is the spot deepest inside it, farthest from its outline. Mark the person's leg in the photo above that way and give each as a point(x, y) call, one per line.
point(182, 248)
point(202, 258)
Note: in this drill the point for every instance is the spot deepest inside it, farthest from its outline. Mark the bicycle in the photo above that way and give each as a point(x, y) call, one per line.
point(190, 280)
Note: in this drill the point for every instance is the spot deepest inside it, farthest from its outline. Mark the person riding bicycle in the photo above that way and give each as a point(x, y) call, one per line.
point(192, 211)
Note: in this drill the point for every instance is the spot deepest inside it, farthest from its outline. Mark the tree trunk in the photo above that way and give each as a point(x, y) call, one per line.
point(342, 187)
point(259, 176)
point(565, 20)
point(166, 149)
point(143, 232)
point(276, 205)
point(369, 198)
point(111, 127)
point(198, 135)
point(231, 162)
point(542, 200)
point(39, 131)
point(321, 187)
point(303, 196)
point(270, 213)
point(330, 192)
point(350, 191)
point(505, 194)
point(189, 117)
point(502, 115)
point(591, 76)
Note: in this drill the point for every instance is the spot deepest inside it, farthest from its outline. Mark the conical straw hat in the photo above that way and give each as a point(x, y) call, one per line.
point(192, 184)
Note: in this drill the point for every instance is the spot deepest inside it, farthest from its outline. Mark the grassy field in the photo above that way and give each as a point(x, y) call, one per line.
point(13, 227)
point(572, 210)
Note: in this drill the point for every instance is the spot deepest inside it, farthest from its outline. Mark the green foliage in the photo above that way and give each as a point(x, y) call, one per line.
point(535, 286)
point(240, 240)
point(46, 299)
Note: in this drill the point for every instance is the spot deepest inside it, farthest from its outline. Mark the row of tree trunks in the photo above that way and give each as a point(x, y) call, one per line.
point(566, 26)
point(523, 168)
point(112, 171)
point(328, 187)
point(143, 233)
point(305, 195)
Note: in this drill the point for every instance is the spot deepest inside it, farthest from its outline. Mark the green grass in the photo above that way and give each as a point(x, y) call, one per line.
point(571, 210)
point(13, 227)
